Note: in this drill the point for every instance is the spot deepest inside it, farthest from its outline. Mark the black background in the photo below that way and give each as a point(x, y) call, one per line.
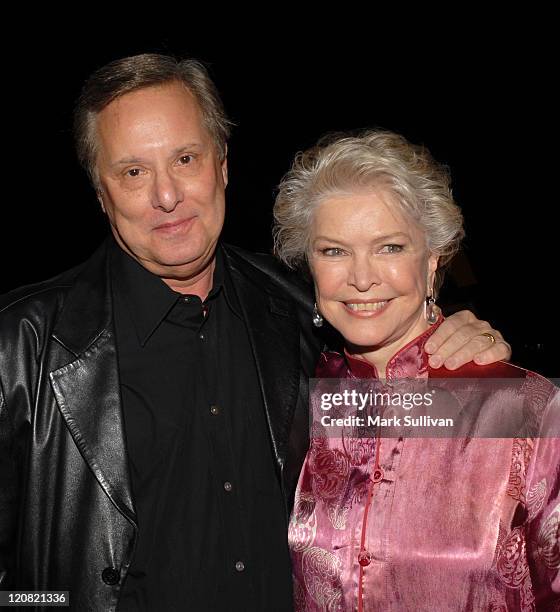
point(481, 104)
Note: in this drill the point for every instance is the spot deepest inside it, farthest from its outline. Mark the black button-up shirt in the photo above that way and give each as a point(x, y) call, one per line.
point(211, 523)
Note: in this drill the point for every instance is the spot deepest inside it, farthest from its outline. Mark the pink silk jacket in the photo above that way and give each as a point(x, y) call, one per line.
point(426, 524)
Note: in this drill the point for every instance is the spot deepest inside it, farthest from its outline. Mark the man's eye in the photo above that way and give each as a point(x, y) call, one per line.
point(332, 252)
point(185, 160)
point(392, 248)
point(133, 172)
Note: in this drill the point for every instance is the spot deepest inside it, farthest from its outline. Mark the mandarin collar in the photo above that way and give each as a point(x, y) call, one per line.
point(410, 361)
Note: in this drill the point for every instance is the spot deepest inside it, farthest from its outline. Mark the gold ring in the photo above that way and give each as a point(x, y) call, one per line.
point(489, 335)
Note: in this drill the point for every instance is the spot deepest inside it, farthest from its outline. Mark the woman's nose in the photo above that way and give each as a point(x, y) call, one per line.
point(363, 274)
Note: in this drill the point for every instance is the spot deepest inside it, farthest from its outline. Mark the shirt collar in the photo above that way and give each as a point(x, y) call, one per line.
point(149, 299)
point(408, 362)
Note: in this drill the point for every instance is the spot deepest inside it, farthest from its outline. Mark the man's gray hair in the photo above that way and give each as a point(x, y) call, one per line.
point(129, 74)
point(375, 159)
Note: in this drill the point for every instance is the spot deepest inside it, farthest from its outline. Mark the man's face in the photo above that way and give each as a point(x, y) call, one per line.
point(162, 183)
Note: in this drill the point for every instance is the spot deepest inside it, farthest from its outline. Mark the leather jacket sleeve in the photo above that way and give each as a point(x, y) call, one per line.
point(8, 497)
point(67, 517)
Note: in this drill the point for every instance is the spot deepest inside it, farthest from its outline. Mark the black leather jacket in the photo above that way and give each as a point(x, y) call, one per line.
point(67, 516)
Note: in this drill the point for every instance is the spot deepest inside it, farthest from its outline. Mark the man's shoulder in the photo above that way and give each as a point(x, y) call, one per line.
point(266, 263)
point(42, 301)
point(29, 313)
point(43, 294)
point(48, 292)
point(278, 277)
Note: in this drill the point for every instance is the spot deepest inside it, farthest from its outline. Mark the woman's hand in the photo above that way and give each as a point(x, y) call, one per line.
point(458, 340)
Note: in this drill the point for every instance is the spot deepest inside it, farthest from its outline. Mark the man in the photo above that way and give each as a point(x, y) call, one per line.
point(153, 400)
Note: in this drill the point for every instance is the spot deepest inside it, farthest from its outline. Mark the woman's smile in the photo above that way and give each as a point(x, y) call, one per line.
point(367, 309)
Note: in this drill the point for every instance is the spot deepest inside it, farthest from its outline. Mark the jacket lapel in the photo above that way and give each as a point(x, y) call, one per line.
point(274, 336)
point(87, 390)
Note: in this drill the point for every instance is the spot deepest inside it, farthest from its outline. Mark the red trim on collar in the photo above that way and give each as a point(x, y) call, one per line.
point(408, 361)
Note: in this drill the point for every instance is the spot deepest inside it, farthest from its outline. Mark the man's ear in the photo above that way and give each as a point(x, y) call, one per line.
point(100, 199)
point(224, 168)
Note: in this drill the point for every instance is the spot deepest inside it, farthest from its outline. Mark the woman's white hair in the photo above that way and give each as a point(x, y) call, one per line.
point(342, 164)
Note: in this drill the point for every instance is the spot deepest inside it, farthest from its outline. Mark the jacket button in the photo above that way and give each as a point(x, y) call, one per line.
point(110, 575)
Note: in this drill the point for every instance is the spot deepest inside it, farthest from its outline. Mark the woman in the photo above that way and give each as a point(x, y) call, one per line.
point(407, 523)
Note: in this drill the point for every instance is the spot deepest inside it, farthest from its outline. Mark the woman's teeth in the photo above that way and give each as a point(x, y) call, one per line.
point(370, 306)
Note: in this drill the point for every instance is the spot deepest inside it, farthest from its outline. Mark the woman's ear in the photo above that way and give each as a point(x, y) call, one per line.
point(432, 267)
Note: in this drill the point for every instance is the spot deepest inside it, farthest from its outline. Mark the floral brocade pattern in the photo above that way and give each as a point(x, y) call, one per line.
point(322, 571)
point(512, 559)
point(480, 516)
point(547, 545)
point(336, 482)
point(521, 455)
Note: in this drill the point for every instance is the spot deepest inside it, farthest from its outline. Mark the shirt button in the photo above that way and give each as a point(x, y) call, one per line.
point(202, 336)
point(110, 575)
point(240, 566)
point(364, 558)
point(186, 298)
point(228, 486)
point(215, 410)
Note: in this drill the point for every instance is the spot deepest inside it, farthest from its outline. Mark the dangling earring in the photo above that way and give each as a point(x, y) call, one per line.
point(431, 310)
point(317, 318)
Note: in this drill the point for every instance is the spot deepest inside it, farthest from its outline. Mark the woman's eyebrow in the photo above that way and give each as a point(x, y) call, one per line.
point(381, 238)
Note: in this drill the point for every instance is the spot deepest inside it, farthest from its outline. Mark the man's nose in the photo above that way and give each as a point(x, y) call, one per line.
point(363, 273)
point(167, 191)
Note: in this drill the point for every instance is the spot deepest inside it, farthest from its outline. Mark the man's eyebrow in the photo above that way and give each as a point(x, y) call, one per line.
point(127, 160)
point(192, 146)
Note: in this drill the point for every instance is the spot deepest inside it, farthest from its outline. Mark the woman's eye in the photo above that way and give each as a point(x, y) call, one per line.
point(332, 252)
point(392, 248)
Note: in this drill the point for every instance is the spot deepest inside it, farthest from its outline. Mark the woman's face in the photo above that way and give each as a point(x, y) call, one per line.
point(372, 270)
